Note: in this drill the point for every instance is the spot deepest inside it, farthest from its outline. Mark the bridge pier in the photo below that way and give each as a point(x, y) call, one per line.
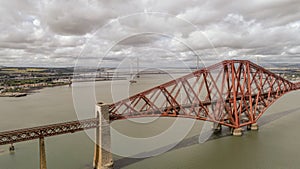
point(43, 164)
point(237, 132)
point(102, 155)
point(254, 126)
point(11, 147)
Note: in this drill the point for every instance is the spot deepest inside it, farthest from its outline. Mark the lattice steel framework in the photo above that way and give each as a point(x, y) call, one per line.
point(233, 93)
point(297, 85)
point(9, 137)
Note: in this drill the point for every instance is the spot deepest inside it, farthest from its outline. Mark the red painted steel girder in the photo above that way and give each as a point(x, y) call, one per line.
point(233, 93)
point(14, 136)
point(297, 86)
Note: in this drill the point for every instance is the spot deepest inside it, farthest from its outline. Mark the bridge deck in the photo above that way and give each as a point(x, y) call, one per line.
point(9, 137)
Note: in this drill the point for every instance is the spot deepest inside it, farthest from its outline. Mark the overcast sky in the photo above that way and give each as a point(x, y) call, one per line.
point(160, 32)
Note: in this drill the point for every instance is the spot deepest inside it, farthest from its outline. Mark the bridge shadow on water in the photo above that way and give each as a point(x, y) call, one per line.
point(264, 120)
point(272, 117)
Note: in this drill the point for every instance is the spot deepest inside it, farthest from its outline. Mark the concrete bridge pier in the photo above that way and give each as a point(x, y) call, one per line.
point(254, 126)
point(43, 164)
point(237, 132)
point(102, 155)
point(11, 147)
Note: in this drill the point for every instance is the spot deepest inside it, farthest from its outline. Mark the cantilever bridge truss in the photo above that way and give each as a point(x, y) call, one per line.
point(233, 93)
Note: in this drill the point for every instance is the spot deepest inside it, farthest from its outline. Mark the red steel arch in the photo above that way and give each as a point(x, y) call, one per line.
point(233, 93)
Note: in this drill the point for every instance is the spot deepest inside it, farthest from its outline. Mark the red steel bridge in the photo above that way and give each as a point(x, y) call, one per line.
point(233, 93)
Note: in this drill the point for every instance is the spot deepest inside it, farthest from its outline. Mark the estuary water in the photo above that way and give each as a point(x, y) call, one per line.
point(275, 146)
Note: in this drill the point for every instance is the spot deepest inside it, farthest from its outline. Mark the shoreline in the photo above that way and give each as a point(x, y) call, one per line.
point(32, 90)
point(13, 94)
point(28, 91)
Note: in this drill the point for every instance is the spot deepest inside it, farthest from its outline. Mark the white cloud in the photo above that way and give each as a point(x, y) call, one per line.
point(294, 50)
point(55, 32)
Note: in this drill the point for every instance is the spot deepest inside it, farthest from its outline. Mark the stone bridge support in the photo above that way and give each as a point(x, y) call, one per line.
point(102, 154)
point(43, 164)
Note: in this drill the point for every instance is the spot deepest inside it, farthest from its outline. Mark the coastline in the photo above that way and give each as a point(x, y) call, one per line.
point(13, 94)
point(28, 91)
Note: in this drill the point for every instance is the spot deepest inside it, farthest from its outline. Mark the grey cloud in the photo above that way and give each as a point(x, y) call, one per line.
point(140, 39)
point(7, 45)
point(55, 32)
point(113, 58)
point(75, 17)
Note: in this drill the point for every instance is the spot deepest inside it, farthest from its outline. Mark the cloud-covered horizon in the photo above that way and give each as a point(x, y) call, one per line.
point(55, 33)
